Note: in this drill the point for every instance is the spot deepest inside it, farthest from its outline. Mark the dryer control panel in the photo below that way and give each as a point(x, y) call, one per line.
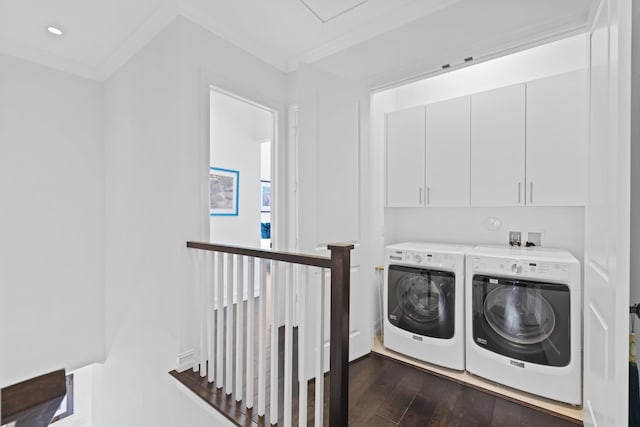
point(524, 268)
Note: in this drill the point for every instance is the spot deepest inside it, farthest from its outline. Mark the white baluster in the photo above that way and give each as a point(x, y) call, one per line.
point(193, 277)
point(202, 260)
point(288, 344)
point(239, 325)
point(262, 329)
point(229, 356)
point(220, 320)
point(250, 347)
point(210, 287)
point(302, 350)
point(273, 402)
point(319, 347)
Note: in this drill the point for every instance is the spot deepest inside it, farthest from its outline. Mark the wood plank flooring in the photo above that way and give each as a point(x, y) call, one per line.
point(383, 393)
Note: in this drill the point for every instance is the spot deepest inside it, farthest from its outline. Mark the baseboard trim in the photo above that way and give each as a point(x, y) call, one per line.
point(185, 360)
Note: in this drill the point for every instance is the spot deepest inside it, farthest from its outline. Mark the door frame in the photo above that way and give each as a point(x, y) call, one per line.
point(605, 395)
point(212, 82)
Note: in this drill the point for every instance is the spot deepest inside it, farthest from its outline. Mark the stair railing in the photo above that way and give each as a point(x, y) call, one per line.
point(225, 340)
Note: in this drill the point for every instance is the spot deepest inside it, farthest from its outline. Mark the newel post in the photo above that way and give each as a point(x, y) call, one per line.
point(339, 344)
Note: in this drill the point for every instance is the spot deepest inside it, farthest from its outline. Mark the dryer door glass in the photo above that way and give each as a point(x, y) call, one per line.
point(421, 301)
point(522, 319)
point(518, 314)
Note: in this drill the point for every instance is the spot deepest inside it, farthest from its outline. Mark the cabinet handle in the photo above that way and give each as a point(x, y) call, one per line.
point(519, 192)
point(428, 194)
point(420, 196)
point(531, 192)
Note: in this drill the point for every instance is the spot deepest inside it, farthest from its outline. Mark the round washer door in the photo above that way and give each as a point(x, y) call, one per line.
point(520, 315)
point(420, 298)
point(421, 301)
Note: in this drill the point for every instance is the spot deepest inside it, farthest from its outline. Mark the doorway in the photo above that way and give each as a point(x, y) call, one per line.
point(240, 177)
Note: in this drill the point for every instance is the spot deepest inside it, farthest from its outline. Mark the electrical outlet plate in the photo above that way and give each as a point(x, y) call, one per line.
point(535, 237)
point(515, 238)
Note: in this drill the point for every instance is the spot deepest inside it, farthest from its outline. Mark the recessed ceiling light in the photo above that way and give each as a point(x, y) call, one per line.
point(55, 31)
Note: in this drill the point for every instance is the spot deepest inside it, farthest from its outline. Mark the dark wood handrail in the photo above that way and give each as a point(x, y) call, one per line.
point(340, 265)
point(303, 259)
point(32, 403)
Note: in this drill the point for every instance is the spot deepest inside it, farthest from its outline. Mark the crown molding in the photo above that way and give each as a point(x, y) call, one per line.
point(49, 60)
point(386, 81)
point(157, 22)
point(146, 32)
point(234, 37)
point(166, 14)
point(373, 28)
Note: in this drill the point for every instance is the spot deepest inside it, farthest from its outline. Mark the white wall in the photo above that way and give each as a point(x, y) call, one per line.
point(83, 387)
point(381, 103)
point(51, 221)
point(558, 57)
point(207, 60)
point(237, 131)
point(157, 120)
point(147, 220)
point(561, 227)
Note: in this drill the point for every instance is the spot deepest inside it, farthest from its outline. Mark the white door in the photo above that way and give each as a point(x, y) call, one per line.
point(405, 158)
point(606, 284)
point(557, 140)
point(497, 147)
point(333, 153)
point(448, 150)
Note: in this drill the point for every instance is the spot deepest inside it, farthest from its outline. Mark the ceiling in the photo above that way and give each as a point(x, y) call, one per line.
point(101, 35)
point(468, 28)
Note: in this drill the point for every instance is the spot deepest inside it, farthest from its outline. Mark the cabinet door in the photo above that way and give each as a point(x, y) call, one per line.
point(448, 152)
point(405, 157)
point(557, 140)
point(498, 147)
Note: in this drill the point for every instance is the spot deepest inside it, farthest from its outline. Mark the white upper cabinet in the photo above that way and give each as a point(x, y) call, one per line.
point(521, 145)
point(498, 147)
point(448, 152)
point(557, 140)
point(405, 158)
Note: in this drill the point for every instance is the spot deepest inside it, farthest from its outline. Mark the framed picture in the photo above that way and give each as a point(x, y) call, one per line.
point(66, 406)
point(265, 196)
point(223, 192)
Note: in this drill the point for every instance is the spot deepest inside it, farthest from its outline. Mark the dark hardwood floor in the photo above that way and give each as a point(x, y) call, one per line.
point(384, 392)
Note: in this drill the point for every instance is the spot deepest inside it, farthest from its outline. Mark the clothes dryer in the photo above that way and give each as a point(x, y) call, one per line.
point(524, 320)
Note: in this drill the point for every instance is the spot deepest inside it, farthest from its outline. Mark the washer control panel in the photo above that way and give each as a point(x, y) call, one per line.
point(428, 259)
point(525, 268)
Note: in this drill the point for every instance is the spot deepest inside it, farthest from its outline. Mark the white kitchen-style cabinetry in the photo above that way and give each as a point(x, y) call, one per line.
point(520, 145)
point(498, 147)
point(405, 158)
point(556, 165)
point(448, 152)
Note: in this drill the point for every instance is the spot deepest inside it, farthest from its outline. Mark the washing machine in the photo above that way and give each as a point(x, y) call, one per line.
point(424, 302)
point(524, 327)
